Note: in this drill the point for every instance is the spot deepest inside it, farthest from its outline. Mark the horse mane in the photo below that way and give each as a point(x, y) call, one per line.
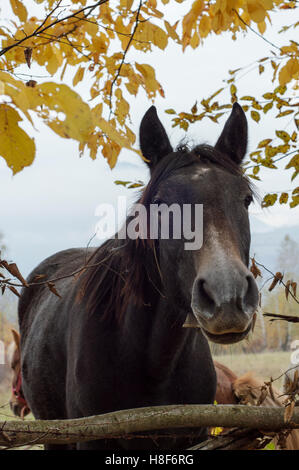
point(123, 269)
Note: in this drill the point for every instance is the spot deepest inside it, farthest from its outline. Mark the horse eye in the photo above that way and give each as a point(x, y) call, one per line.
point(248, 200)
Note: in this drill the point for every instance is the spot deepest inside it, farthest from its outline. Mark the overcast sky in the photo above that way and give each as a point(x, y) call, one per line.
point(51, 205)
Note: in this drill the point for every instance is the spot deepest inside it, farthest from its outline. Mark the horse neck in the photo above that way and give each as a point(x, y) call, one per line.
point(158, 332)
point(154, 327)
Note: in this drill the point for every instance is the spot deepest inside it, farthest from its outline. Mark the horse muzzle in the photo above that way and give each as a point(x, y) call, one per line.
point(224, 306)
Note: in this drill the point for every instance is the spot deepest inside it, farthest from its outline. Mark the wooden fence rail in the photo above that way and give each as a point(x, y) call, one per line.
point(125, 422)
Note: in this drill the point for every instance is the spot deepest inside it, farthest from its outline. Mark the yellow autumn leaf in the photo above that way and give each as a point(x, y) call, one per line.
point(267, 107)
point(91, 27)
point(233, 89)
point(216, 431)
point(19, 9)
point(256, 11)
point(204, 27)
point(111, 151)
point(122, 107)
point(285, 113)
point(262, 27)
point(189, 21)
point(289, 72)
point(294, 162)
point(194, 41)
point(78, 77)
point(160, 37)
point(269, 200)
point(17, 91)
point(16, 147)
point(149, 78)
point(283, 198)
point(264, 143)
point(113, 134)
point(172, 31)
point(53, 58)
point(60, 98)
point(295, 201)
point(283, 135)
point(255, 116)
point(93, 145)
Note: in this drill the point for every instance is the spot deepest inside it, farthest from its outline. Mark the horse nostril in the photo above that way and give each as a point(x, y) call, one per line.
point(250, 299)
point(205, 298)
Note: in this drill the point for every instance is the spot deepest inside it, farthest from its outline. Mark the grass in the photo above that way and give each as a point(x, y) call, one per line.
point(7, 415)
point(264, 365)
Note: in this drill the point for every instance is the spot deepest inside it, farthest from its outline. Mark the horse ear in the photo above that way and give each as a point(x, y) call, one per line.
point(16, 338)
point(154, 142)
point(233, 139)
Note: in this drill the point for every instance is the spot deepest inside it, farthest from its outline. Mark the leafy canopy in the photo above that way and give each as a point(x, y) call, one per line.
point(92, 40)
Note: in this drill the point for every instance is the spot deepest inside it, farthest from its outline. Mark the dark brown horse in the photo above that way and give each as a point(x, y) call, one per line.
point(114, 340)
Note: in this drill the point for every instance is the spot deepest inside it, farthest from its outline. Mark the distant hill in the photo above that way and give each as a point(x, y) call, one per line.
point(266, 241)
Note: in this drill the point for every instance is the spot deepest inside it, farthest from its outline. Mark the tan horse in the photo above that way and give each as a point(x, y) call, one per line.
point(17, 400)
point(246, 390)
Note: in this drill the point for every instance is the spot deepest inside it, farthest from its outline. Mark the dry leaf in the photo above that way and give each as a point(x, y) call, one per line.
point(38, 277)
point(278, 277)
point(254, 269)
point(14, 291)
point(263, 395)
point(294, 287)
point(271, 390)
point(28, 55)
point(31, 83)
point(13, 269)
point(289, 409)
point(287, 289)
point(52, 288)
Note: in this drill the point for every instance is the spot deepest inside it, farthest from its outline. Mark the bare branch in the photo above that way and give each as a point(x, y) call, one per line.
point(121, 424)
point(277, 316)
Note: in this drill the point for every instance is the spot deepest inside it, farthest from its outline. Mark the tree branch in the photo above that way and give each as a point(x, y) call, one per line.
point(124, 55)
point(121, 424)
point(41, 30)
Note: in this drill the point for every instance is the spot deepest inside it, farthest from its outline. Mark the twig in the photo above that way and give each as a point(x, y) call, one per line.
point(255, 32)
point(39, 31)
point(277, 316)
point(41, 283)
point(124, 55)
point(280, 281)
